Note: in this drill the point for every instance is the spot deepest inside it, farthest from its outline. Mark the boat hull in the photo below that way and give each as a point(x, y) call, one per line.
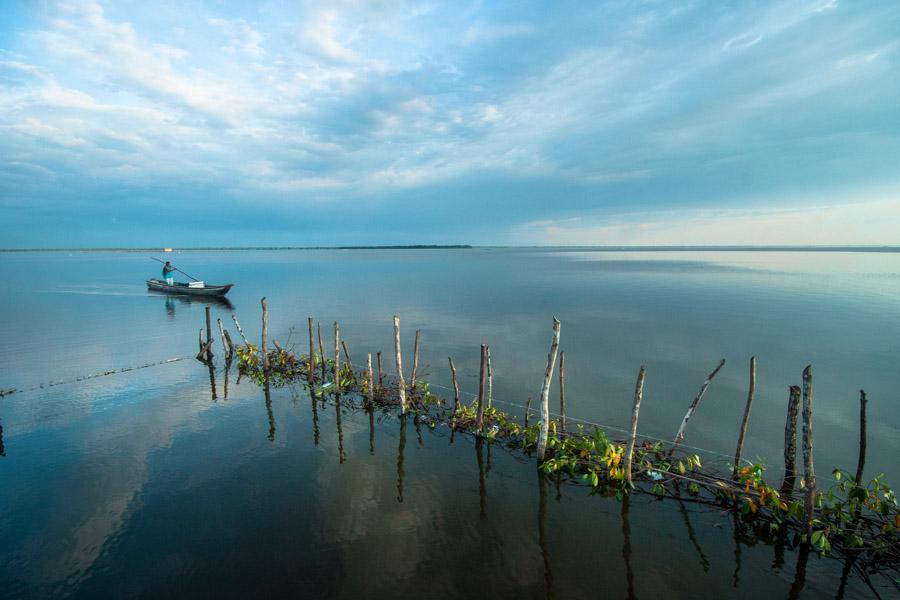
point(182, 289)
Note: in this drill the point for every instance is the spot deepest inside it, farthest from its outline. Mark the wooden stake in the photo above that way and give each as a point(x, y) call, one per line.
point(412, 379)
point(861, 463)
point(200, 341)
point(745, 420)
point(226, 351)
point(401, 384)
point(790, 441)
point(680, 435)
point(455, 386)
point(809, 471)
point(370, 379)
point(204, 350)
point(311, 371)
point(347, 355)
point(562, 390)
point(380, 374)
point(240, 331)
point(265, 331)
point(337, 359)
point(230, 344)
point(321, 349)
point(635, 413)
point(527, 411)
point(545, 392)
point(490, 380)
point(209, 336)
point(479, 420)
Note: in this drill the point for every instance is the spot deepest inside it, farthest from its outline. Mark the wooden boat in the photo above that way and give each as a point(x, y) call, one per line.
point(158, 285)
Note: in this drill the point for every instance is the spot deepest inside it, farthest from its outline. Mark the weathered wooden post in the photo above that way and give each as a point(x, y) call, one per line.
point(745, 420)
point(337, 359)
point(680, 435)
point(240, 331)
point(265, 328)
point(311, 372)
point(347, 356)
point(226, 352)
point(562, 390)
point(200, 342)
point(401, 384)
point(412, 379)
point(455, 386)
point(321, 350)
point(230, 344)
point(635, 413)
point(545, 392)
point(861, 463)
point(790, 441)
point(479, 420)
point(370, 379)
point(490, 380)
point(809, 471)
point(209, 336)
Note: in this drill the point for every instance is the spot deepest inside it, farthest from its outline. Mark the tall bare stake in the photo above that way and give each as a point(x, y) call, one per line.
point(809, 471)
point(240, 331)
point(479, 421)
point(265, 328)
point(401, 384)
point(225, 349)
point(790, 441)
point(412, 379)
point(545, 392)
point(311, 372)
point(490, 380)
point(635, 413)
point(562, 390)
point(209, 336)
point(455, 386)
point(370, 379)
point(861, 463)
point(745, 420)
point(687, 417)
point(337, 359)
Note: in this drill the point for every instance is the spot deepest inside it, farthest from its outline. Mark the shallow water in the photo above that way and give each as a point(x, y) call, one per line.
point(139, 483)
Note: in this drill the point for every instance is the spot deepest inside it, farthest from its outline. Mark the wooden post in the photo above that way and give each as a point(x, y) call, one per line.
point(226, 352)
point(680, 435)
point(370, 379)
point(265, 331)
point(412, 379)
point(790, 441)
point(490, 380)
point(635, 413)
point(209, 336)
point(527, 411)
point(321, 350)
point(380, 373)
point(861, 463)
point(745, 420)
point(347, 355)
point(479, 420)
point(455, 386)
point(401, 384)
point(809, 471)
point(200, 341)
point(562, 390)
point(240, 331)
point(204, 350)
point(230, 344)
point(545, 392)
point(337, 359)
point(311, 371)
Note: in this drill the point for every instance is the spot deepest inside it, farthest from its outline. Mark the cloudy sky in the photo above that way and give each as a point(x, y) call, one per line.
point(328, 123)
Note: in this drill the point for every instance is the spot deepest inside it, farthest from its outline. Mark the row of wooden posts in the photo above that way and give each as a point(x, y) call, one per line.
point(486, 384)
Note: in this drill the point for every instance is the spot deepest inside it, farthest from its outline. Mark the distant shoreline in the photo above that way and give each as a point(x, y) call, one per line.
point(471, 247)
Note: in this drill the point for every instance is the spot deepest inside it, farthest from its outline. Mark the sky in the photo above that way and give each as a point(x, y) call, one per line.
point(224, 123)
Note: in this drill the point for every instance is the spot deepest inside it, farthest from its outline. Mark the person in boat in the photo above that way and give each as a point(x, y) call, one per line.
point(168, 273)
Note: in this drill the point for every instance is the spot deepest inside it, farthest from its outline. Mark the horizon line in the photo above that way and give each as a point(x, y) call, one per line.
point(643, 247)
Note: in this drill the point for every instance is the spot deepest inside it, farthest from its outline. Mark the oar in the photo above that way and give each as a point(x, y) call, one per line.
point(176, 268)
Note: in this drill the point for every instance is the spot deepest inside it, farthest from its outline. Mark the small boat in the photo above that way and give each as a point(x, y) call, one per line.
point(190, 289)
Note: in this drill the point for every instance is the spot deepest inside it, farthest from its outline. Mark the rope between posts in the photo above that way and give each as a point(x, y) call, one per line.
point(96, 375)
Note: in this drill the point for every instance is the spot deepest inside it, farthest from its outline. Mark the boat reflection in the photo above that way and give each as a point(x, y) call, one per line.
point(219, 301)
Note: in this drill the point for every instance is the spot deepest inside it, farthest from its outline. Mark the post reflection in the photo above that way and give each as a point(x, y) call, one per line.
point(800, 574)
point(212, 379)
point(340, 430)
point(371, 411)
point(400, 471)
point(482, 491)
point(2, 447)
point(542, 532)
point(269, 411)
point(315, 412)
point(227, 369)
point(626, 546)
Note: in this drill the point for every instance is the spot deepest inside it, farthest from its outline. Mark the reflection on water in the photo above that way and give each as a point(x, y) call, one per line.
point(400, 449)
point(542, 532)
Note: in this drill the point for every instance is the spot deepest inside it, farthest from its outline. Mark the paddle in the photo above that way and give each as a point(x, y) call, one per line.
point(176, 268)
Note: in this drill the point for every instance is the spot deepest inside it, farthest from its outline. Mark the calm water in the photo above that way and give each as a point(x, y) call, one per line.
point(140, 484)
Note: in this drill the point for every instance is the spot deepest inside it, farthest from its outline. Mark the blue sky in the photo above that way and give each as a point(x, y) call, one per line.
point(390, 122)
